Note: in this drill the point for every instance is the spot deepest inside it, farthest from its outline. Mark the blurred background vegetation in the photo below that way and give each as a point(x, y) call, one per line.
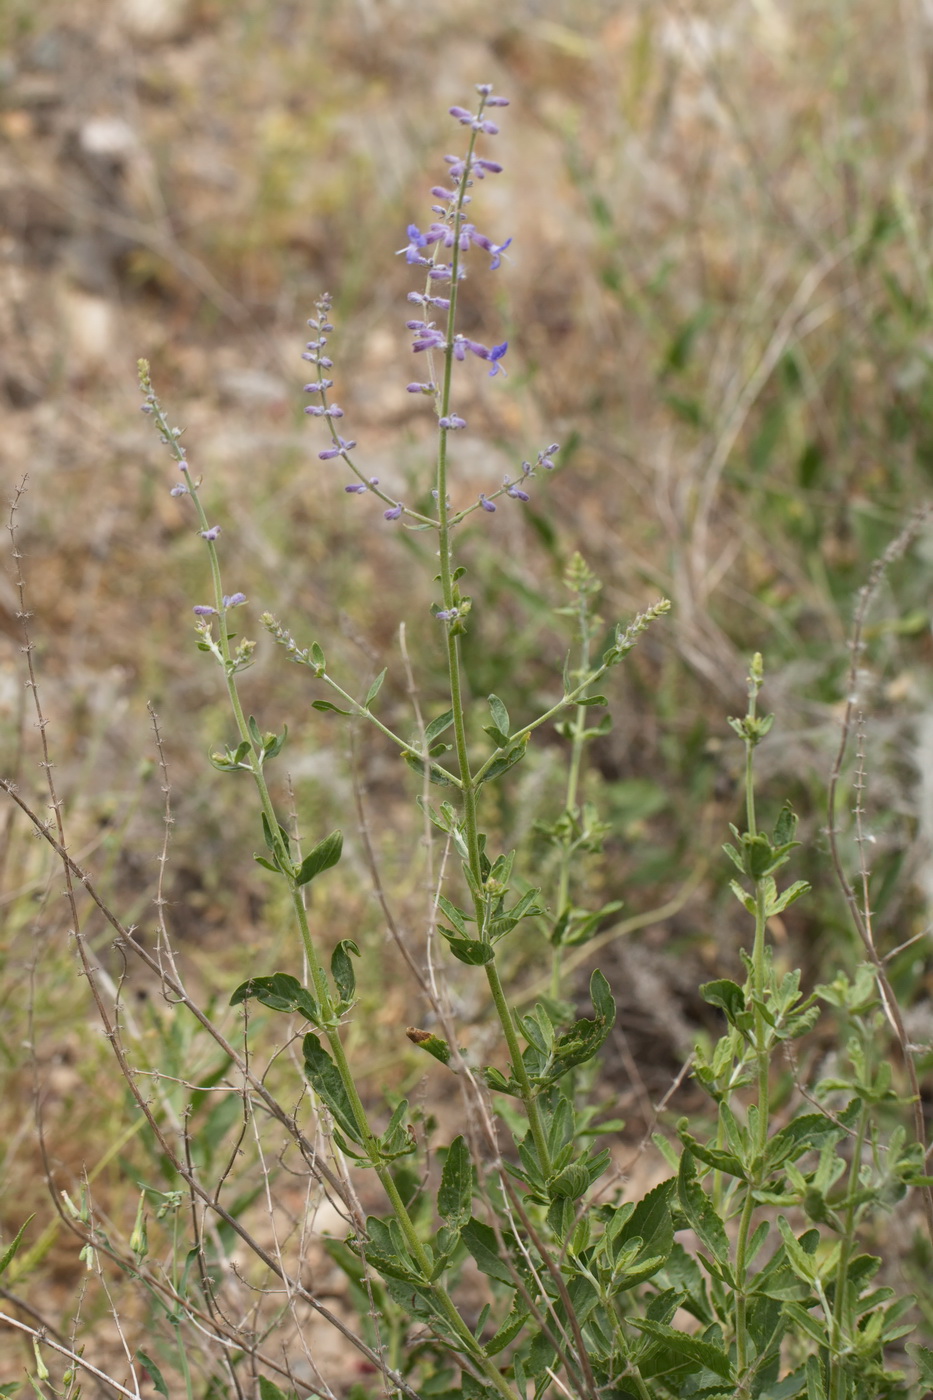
point(719, 299)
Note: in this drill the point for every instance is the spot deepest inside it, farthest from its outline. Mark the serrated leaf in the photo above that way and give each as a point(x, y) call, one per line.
point(455, 1196)
point(688, 1347)
point(483, 1244)
point(785, 899)
point(509, 1330)
point(324, 855)
point(324, 1077)
point(699, 1211)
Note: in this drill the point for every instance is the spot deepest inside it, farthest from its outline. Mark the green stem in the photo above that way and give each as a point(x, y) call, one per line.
point(757, 985)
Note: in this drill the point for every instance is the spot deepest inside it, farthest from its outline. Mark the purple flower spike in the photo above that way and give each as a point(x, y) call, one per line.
point(495, 355)
point(394, 513)
point(235, 600)
point(202, 610)
point(486, 504)
point(210, 534)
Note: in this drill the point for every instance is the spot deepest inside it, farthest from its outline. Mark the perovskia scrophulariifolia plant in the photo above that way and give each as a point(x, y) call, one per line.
point(507, 1260)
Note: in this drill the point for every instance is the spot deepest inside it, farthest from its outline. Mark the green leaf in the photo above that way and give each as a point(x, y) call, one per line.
point(455, 1197)
point(483, 1244)
point(699, 1211)
point(690, 1348)
point(342, 969)
point(325, 854)
point(375, 688)
point(325, 705)
point(317, 659)
point(437, 727)
point(472, 951)
point(780, 902)
point(500, 716)
point(152, 1370)
point(11, 1249)
point(436, 774)
point(728, 996)
point(268, 1390)
point(507, 761)
point(427, 1040)
point(923, 1357)
point(280, 992)
point(584, 1039)
point(457, 916)
point(714, 1157)
point(324, 1078)
point(509, 1330)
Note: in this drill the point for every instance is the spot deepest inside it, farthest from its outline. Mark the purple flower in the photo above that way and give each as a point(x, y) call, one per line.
point(462, 115)
point(234, 600)
point(485, 503)
point(179, 490)
point(210, 534)
point(428, 388)
point(494, 249)
point(319, 386)
point(202, 610)
point(452, 422)
point(427, 339)
point(495, 355)
point(317, 411)
point(343, 446)
point(356, 487)
point(394, 513)
point(416, 241)
point(462, 345)
point(447, 614)
point(512, 490)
